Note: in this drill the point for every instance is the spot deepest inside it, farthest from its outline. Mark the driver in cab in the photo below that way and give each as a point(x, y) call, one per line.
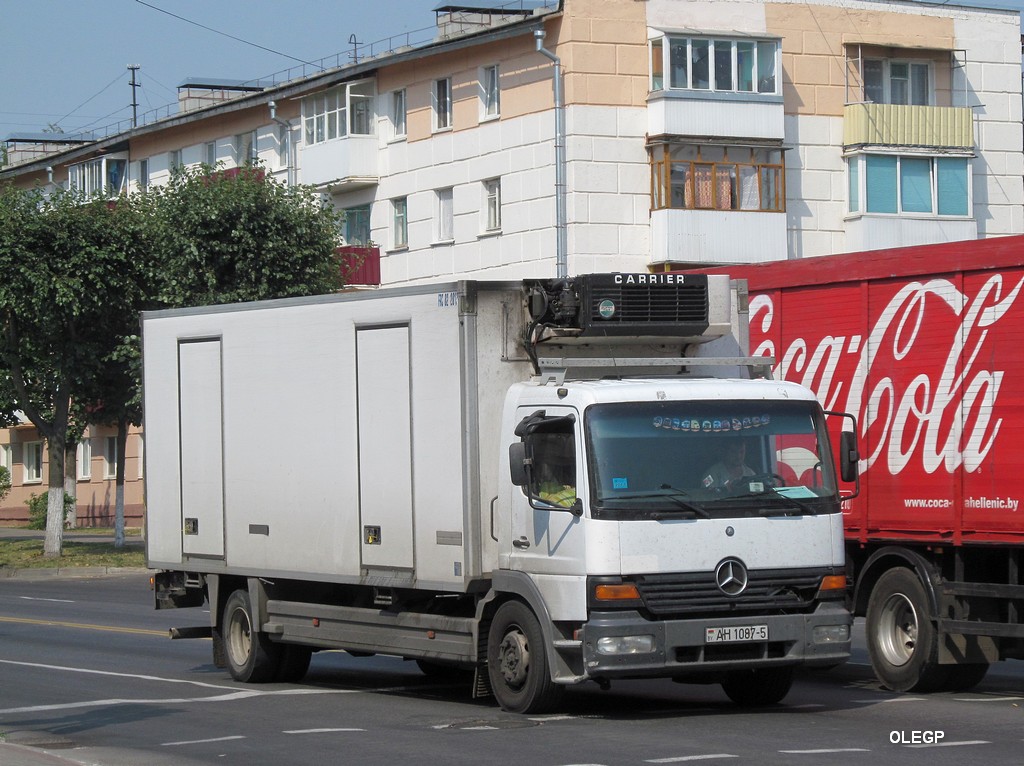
point(730, 469)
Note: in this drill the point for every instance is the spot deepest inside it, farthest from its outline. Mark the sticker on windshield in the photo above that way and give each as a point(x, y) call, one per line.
point(620, 483)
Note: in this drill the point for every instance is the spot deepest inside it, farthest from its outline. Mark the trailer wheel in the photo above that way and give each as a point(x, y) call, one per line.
point(902, 639)
point(758, 688)
point(251, 656)
point(517, 664)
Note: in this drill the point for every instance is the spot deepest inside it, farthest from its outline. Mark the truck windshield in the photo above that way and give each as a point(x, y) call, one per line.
point(709, 459)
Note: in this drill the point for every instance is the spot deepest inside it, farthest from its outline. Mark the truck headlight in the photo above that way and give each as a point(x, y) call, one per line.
point(625, 645)
point(830, 634)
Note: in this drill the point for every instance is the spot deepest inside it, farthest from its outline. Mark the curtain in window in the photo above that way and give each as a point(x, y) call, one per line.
point(880, 184)
point(952, 185)
point(704, 191)
point(916, 184)
point(750, 196)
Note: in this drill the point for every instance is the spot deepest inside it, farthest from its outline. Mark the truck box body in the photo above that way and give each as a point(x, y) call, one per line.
point(453, 473)
point(925, 346)
point(264, 456)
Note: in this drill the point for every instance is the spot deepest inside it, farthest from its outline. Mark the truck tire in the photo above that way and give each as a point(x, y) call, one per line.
point(902, 638)
point(293, 664)
point(758, 688)
point(963, 678)
point(251, 656)
point(517, 664)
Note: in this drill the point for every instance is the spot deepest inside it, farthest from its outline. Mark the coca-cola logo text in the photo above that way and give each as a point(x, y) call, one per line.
point(924, 385)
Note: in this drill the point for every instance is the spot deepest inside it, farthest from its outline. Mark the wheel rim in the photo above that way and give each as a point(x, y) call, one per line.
point(514, 659)
point(898, 630)
point(239, 637)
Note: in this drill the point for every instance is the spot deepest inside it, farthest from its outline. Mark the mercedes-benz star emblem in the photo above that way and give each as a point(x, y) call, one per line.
point(731, 577)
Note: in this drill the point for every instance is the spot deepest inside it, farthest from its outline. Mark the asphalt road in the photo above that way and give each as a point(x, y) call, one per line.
point(87, 674)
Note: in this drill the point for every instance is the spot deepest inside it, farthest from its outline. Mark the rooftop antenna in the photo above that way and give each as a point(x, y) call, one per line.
point(355, 47)
point(133, 68)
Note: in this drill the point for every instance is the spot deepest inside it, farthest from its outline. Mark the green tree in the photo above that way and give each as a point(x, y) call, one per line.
point(5, 481)
point(229, 237)
point(66, 273)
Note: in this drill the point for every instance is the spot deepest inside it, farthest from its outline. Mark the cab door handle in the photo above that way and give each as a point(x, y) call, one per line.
point(522, 542)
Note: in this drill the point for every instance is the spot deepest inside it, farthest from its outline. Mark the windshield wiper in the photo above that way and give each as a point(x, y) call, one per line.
point(687, 509)
point(791, 504)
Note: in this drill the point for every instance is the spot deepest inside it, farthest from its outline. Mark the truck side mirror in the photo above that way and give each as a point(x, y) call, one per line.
point(848, 456)
point(518, 461)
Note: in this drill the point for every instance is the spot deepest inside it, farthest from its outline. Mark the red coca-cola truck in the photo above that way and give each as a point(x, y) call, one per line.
point(925, 346)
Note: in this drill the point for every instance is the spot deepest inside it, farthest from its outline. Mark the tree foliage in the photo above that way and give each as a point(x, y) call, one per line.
point(78, 271)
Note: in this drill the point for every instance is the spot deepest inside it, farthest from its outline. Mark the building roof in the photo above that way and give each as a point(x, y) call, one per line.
point(525, 7)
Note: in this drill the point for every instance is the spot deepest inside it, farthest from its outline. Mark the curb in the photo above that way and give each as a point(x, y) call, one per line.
point(66, 572)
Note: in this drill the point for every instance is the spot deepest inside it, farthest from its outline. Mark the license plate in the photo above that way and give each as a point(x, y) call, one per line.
point(735, 633)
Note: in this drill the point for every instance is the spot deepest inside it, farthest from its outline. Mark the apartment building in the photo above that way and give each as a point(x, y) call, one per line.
point(531, 137)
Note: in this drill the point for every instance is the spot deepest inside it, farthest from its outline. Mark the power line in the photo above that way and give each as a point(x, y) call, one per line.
point(119, 76)
point(223, 34)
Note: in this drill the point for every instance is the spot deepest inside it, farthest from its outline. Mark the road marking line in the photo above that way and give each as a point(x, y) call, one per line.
point(987, 699)
point(827, 750)
point(316, 731)
point(201, 741)
point(953, 744)
point(891, 699)
point(52, 600)
point(682, 758)
point(108, 628)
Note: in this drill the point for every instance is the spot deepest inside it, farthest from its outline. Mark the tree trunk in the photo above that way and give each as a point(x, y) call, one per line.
point(54, 541)
point(122, 443)
point(71, 482)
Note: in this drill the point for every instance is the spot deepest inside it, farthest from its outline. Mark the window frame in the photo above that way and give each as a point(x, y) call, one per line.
point(717, 174)
point(399, 114)
point(441, 97)
point(32, 462)
point(110, 457)
point(246, 149)
point(444, 222)
point(887, 79)
point(143, 180)
point(83, 459)
point(399, 223)
point(490, 92)
point(858, 203)
point(93, 176)
point(360, 214)
point(722, 52)
point(491, 208)
point(330, 114)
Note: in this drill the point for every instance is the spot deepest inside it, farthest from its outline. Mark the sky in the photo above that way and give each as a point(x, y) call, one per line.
point(64, 63)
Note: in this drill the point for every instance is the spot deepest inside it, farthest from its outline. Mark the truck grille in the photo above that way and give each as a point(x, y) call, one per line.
point(769, 591)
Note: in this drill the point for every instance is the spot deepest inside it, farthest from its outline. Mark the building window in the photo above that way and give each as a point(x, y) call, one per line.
point(490, 93)
point(443, 104)
point(445, 223)
point(694, 177)
point(399, 222)
point(210, 153)
point(492, 204)
point(398, 111)
point(83, 458)
point(338, 112)
point(144, 174)
point(245, 149)
point(357, 225)
point(174, 160)
point(5, 457)
point(32, 461)
point(909, 185)
point(105, 177)
point(110, 457)
point(897, 82)
point(718, 65)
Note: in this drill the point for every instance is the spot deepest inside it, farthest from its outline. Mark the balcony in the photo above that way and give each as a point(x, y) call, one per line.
point(754, 117)
point(940, 127)
point(359, 265)
point(344, 164)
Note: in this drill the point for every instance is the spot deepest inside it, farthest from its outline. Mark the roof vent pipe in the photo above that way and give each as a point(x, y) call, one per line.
point(562, 240)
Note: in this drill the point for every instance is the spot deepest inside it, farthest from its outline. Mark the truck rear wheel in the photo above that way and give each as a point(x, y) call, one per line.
point(517, 664)
point(251, 656)
point(757, 688)
point(902, 639)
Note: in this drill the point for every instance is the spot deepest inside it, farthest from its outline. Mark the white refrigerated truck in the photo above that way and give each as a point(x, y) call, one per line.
point(522, 478)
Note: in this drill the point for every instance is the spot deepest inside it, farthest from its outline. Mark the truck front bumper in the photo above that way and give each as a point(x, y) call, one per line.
point(625, 645)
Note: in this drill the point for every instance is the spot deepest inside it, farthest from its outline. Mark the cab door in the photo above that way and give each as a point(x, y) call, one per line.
point(547, 526)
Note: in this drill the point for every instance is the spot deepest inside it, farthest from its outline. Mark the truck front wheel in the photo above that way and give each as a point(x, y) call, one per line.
point(902, 639)
point(251, 656)
point(517, 664)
